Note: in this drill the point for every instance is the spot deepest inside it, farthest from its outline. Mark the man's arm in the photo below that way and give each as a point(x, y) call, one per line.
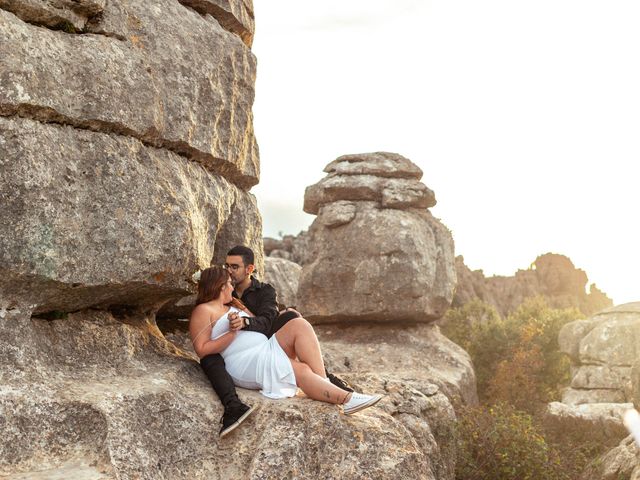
point(265, 309)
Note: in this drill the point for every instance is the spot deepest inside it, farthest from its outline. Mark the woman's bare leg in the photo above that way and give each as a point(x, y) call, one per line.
point(298, 340)
point(315, 386)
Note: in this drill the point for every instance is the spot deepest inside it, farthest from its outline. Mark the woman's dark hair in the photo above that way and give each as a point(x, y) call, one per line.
point(211, 281)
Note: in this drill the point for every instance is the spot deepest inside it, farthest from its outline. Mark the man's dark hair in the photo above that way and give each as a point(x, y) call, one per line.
point(245, 252)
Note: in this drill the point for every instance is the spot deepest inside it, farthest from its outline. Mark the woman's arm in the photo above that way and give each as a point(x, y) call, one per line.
point(215, 346)
point(200, 330)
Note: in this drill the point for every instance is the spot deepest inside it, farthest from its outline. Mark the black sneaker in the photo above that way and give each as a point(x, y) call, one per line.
point(338, 382)
point(233, 417)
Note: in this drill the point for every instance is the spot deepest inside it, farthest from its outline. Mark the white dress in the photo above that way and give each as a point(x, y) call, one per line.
point(255, 362)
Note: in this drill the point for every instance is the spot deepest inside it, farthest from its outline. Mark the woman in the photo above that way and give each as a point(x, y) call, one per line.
point(276, 366)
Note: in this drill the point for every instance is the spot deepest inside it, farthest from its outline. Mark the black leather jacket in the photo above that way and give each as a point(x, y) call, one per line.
point(261, 299)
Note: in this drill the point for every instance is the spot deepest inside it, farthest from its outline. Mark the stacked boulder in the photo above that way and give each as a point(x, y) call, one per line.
point(376, 253)
point(127, 150)
point(603, 349)
point(380, 271)
point(604, 352)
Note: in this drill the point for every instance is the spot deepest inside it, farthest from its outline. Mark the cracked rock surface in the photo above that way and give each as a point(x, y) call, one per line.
point(126, 150)
point(165, 75)
point(106, 220)
point(104, 396)
point(389, 259)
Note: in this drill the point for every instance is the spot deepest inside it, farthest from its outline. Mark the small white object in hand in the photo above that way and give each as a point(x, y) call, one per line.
point(631, 420)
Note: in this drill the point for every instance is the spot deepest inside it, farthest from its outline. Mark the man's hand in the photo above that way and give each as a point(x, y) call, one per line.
point(236, 322)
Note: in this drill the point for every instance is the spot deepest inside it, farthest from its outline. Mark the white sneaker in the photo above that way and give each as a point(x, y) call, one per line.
point(359, 401)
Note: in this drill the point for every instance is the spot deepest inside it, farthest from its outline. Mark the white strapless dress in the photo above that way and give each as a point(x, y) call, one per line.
point(255, 362)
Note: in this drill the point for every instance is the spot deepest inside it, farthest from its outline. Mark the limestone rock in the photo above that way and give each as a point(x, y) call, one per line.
point(551, 276)
point(375, 252)
point(141, 408)
point(68, 15)
point(612, 342)
point(129, 229)
point(603, 352)
point(579, 396)
point(619, 463)
point(604, 379)
point(378, 164)
point(235, 16)
point(338, 213)
point(596, 376)
point(600, 423)
point(291, 247)
point(390, 192)
point(417, 352)
point(570, 336)
point(283, 275)
point(191, 81)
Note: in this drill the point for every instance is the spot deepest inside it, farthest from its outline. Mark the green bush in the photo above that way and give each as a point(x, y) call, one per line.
point(502, 443)
point(519, 368)
point(516, 359)
point(478, 328)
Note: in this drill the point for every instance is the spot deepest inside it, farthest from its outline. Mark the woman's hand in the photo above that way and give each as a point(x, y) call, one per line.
point(236, 322)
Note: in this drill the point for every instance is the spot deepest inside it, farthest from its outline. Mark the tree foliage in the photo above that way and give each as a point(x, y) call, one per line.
point(519, 369)
point(517, 359)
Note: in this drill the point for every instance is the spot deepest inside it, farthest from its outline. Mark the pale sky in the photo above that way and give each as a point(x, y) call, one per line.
point(524, 117)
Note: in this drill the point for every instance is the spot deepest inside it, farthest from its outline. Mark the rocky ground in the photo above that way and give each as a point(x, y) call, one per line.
point(99, 396)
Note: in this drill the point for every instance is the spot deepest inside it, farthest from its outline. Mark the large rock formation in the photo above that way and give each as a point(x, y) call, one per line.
point(623, 461)
point(551, 276)
point(126, 156)
point(376, 252)
point(284, 275)
point(290, 247)
point(619, 463)
point(127, 151)
point(603, 349)
point(604, 356)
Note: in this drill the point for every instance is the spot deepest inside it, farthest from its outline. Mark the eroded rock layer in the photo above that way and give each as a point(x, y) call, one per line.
point(375, 251)
point(96, 220)
point(165, 75)
point(126, 147)
point(551, 276)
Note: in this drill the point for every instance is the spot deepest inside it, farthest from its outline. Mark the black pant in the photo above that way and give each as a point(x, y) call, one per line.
point(213, 366)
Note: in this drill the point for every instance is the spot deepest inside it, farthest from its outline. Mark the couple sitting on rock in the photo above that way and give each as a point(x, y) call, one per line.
point(243, 340)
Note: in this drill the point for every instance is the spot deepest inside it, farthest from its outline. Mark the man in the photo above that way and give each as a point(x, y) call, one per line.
point(260, 299)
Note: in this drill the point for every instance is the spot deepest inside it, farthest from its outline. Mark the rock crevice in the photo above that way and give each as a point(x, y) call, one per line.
point(189, 89)
point(151, 138)
point(83, 17)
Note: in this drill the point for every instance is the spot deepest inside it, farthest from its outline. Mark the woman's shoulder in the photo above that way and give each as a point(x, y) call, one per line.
point(205, 310)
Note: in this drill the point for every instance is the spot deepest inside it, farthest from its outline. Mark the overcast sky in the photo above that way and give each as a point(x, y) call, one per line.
point(524, 117)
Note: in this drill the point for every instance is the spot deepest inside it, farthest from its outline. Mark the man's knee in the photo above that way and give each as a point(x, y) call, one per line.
point(213, 360)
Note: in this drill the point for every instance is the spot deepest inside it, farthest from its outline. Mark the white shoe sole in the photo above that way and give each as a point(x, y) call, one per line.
point(362, 406)
point(235, 425)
